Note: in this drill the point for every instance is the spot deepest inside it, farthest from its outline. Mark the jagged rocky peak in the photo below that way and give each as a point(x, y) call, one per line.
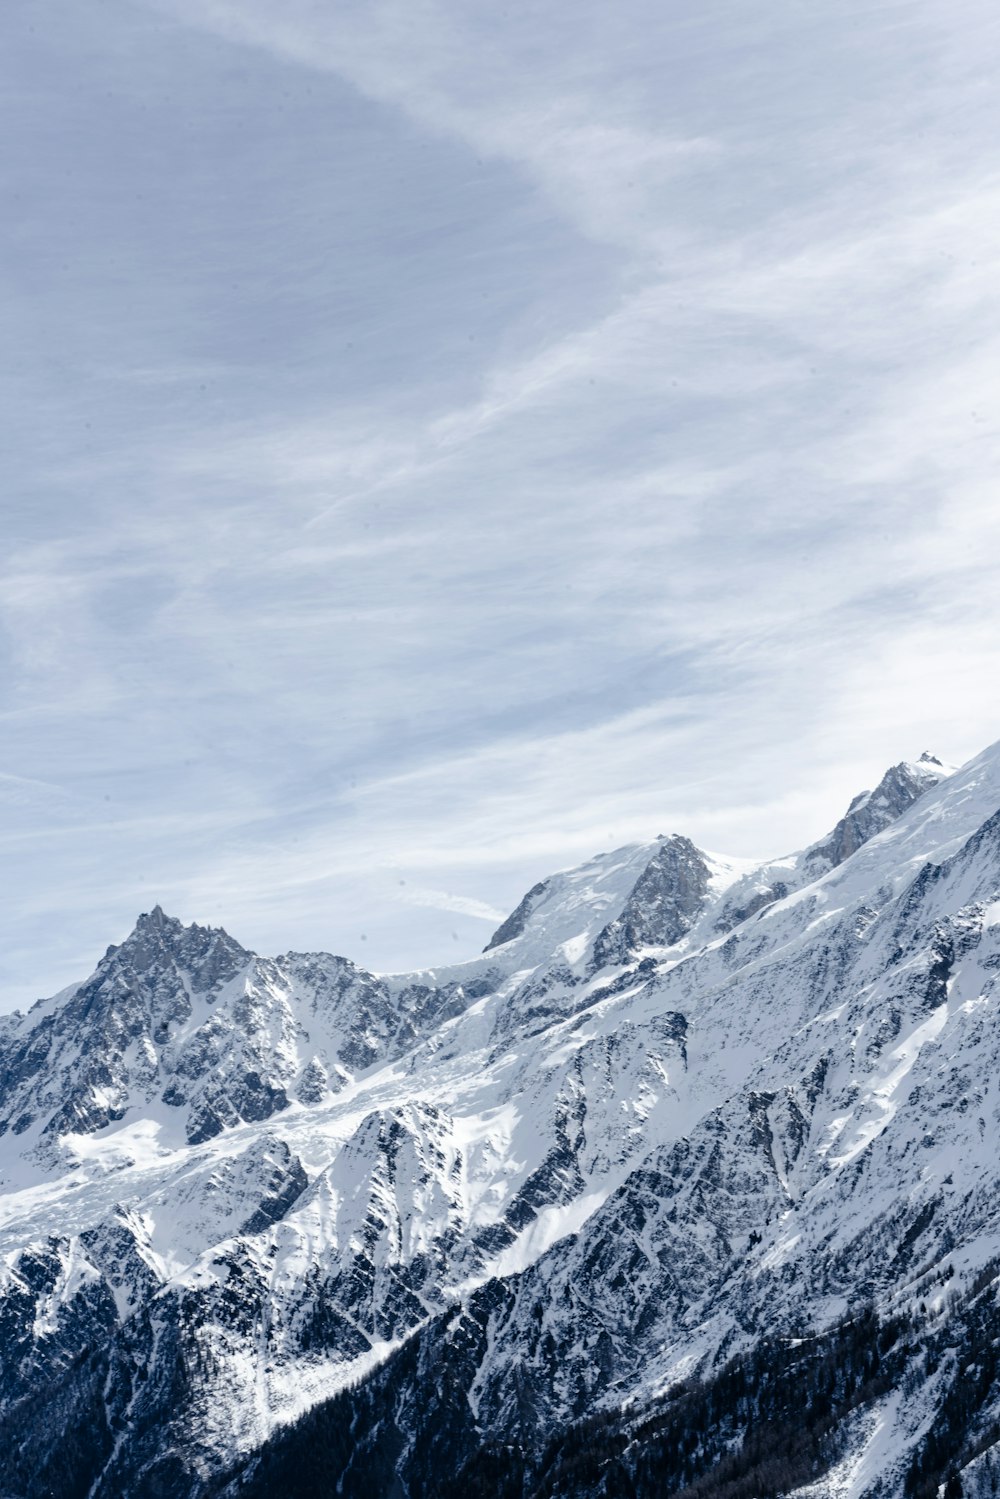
point(869, 813)
point(662, 905)
point(642, 894)
point(538, 1225)
point(208, 955)
point(76, 1065)
point(872, 811)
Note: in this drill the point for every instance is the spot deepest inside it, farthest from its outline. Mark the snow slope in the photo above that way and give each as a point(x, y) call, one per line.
point(678, 1104)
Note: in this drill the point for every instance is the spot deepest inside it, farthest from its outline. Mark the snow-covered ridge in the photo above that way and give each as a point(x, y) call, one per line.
point(673, 1092)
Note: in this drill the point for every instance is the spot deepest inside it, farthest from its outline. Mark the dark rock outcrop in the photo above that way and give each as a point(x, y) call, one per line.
point(662, 905)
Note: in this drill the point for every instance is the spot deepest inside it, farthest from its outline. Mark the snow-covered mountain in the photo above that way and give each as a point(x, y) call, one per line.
point(689, 1183)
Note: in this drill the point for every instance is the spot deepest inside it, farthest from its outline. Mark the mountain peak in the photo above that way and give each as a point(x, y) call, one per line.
point(157, 920)
point(662, 904)
point(157, 923)
point(700, 1109)
point(207, 954)
point(870, 812)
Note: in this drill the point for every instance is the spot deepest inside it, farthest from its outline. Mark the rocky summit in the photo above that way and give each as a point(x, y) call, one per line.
point(689, 1184)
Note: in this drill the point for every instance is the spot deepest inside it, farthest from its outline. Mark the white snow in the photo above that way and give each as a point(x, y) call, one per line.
point(433, 1146)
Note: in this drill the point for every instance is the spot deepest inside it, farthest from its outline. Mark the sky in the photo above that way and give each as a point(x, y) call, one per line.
point(443, 441)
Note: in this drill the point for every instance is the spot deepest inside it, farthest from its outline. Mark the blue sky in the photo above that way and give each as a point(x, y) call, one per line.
point(443, 441)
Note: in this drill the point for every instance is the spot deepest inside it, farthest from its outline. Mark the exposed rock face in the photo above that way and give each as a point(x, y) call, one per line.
point(662, 906)
point(756, 900)
point(187, 1016)
point(562, 1226)
point(870, 813)
point(518, 918)
point(873, 811)
point(74, 1068)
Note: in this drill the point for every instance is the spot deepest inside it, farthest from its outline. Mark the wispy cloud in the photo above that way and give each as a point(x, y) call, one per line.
point(462, 905)
point(448, 441)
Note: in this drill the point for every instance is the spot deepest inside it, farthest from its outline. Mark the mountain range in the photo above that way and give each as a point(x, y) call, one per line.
point(688, 1184)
